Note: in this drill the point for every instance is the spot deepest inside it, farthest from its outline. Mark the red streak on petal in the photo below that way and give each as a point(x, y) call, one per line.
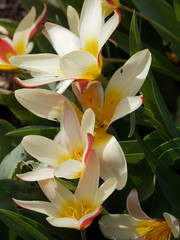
point(89, 146)
point(119, 13)
point(82, 84)
point(110, 2)
point(23, 85)
point(38, 23)
point(6, 50)
point(89, 220)
point(142, 97)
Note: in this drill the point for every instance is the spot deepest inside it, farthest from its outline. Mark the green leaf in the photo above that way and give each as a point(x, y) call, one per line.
point(177, 9)
point(167, 179)
point(8, 164)
point(35, 130)
point(167, 27)
point(24, 227)
point(71, 186)
point(7, 144)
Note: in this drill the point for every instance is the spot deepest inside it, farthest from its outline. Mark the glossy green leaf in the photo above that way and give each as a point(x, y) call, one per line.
point(177, 9)
point(167, 179)
point(35, 130)
point(9, 163)
point(167, 27)
point(24, 227)
point(7, 144)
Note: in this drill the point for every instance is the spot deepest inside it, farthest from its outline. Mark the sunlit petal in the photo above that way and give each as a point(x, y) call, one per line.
point(73, 20)
point(63, 222)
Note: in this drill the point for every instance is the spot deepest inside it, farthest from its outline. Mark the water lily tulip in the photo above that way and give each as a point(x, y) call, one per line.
point(137, 225)
point(77, 210)
point(20, 44)
point(79, 56)
point(66, 155)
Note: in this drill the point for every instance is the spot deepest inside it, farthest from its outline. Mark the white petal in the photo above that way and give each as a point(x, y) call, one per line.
point(119, 227)
point(29, 47)
point(173, 224)
point(126, 105)
point(112, 160)
point(87, 124)
point(71, 134)
point(63, 40)
point(133, 206)
point(44, 62)
point(89, 180)
point(128, 79)
point(69, 169)
point(21, 35)
point(80, 64)
point(59, 195)
point(88, 148)
point(63, 85)
point(37, 174)
point(109, 27)
point(105, 190)
point(45, 149)
point(44, 103)
point(73, 20)
point(38, 206)
point(90, 21)
point(63, 222)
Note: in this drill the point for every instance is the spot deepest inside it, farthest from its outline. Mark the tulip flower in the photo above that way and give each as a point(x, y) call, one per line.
point(66, 155)
point(137, 225)
point(79, 56)
point(109, 5)
point(77, 210)
point(119, 101)
point(20, 44)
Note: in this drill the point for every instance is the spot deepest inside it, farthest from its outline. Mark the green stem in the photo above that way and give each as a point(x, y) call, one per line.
point(152, 22)
point(103, 80)
point(83, 234)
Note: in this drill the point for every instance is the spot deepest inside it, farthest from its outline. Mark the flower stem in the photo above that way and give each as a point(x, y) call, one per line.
point(83, 234)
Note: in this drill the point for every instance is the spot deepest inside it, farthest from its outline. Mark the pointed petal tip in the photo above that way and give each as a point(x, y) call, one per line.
point(173, 224)
point(117, 11)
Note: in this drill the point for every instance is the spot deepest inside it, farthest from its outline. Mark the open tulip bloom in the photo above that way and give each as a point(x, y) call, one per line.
point(137, 225)
point(77, 210)
point(66, 155)
point(20, 44)
point(79, 56)
point(119, 101)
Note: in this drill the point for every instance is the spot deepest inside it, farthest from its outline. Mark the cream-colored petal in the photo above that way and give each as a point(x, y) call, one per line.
point(38, 206)
point(128, 79)
point(63, 85)
point(134, 207)
point(112, 159)
point(173, 224)
point(21, 35)
point(60, 196)
point(29, 47)
point(44, 103)
point(105, 190)
point(73, 20)
point(89, 180)
point(37, 174)
point(120, 227)
point(45, 150)
point(90, 22)
point(70, 127)
point(87, 124)
point(126, 105)
point(69, 169)
point(109, 27)
point(80, 64)
point(63, 222)
point(63, 40)
point(44, 62)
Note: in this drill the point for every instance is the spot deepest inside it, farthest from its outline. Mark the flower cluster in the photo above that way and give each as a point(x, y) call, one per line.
point(83, 149)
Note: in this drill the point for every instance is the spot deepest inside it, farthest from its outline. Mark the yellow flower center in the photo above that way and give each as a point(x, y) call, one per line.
point(78, 210)
point(92, 46)
point(157, 231)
